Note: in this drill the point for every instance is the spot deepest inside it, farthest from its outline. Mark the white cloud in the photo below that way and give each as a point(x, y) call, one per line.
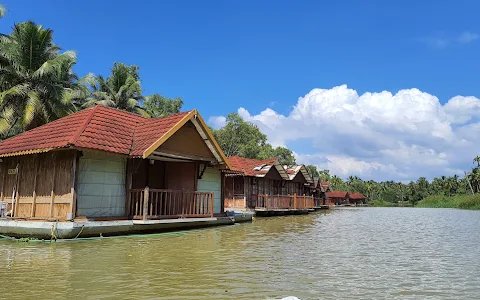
point(380, 136)
point(467, 37)
point(217, 122)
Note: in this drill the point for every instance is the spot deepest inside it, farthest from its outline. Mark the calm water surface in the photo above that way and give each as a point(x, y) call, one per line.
point(351, 253)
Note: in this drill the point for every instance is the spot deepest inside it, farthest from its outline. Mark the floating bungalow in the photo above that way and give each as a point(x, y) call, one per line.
point(357, 199)
point(103, 171)
point(336, 198)
point(266, 187)
point(319, 189)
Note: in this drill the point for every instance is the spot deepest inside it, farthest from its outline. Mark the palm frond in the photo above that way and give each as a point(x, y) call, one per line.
point(6, 120)
point(31, 108)
point(3, 10)
point(54, 66)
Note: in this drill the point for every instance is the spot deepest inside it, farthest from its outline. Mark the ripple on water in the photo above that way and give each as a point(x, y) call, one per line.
point(351, 253)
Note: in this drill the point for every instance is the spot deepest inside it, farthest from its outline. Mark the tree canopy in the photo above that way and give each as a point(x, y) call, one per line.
point(37, 82)
point(241, 138)
point(159, 106)
point(121, 90)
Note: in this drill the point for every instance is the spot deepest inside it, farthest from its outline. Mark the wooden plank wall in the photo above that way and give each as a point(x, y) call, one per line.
point(44, 184)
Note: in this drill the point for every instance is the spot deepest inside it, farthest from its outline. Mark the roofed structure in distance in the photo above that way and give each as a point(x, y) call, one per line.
point(336, 194)
point(356, 196)
point(256, 167)
point(292, 171)
point(324, 186)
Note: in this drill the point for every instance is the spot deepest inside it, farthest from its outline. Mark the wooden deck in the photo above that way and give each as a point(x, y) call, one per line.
point(149, 204)
point(279, 205)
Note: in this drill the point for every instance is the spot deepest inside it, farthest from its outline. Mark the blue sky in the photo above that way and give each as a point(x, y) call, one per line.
point(223, 55)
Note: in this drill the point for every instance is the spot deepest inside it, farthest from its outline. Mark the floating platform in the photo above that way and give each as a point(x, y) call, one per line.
point(320, 207)
point(241, 216)
point(261, 212)
point(68, 230)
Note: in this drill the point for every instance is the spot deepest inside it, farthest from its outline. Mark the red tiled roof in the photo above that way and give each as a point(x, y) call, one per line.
point(336, 194)
point(357, 196)
point(99, 127)
point(247, 165)
point(149, 132)
point(290, 171)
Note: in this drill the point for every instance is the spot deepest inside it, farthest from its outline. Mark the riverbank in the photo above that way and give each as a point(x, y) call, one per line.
point(458, 201)
point(382, 203)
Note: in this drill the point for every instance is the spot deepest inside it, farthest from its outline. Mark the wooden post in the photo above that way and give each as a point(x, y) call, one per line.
point(17, 191)
point(266, 201)
point(4, 176)
point(182, 203)
point(52, 198)
point(34, 201)
point(73, 189)
point(212, 198)
point(145, 202)
point(295, 201)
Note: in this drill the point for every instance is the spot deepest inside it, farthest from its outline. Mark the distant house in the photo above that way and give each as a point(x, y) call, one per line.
point(265, 185)
point(320, 188)
point(102, 163)
point(337, 197)
point(299, 174)
point(357, 198)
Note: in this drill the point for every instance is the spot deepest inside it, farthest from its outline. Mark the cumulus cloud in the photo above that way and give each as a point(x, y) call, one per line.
point(217, 122)
point(381, 136)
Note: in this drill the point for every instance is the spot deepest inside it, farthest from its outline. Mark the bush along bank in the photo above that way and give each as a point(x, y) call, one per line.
point(457, 201)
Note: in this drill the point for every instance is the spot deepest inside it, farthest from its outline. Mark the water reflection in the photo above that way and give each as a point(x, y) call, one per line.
point(351, 253)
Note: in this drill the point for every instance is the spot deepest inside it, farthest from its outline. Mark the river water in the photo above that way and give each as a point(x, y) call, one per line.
point(348, 253)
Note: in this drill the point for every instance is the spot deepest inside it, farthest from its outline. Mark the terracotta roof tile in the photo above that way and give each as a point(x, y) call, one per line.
point(291, 172)
point(357, 196)
point(336, 194)
point(247, 165)
point(56, 134)
point(99, 128)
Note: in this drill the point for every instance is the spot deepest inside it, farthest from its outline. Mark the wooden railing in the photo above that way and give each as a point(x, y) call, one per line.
point(237, 202)
point(304, 202)
point(283, 202)
point(319, 201)
point(159, 203)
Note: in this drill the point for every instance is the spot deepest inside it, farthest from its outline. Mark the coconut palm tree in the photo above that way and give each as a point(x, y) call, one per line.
point(477, 160)
point(121, 90)
point(36, 80)
point(3, 10)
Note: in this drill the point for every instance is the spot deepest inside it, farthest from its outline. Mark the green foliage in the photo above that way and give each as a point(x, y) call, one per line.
point(158, 106)
point(3, 11)
point(284, 155)
point(240, 138)
point(381, 203)
point(121, 90)
point(457, 201)
point(312, 170)
point(37, 82)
